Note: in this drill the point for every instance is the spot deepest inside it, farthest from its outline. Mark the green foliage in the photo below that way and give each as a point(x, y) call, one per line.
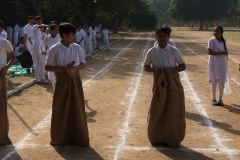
point(204, 10)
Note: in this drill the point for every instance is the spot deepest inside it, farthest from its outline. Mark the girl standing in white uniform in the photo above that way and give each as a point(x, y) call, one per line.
point(218, 67)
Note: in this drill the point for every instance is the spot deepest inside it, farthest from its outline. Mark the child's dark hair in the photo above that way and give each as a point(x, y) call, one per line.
point(170, 30)
point(52, 26)
point(163, 29)
point(224, 42)
point(30, 17)
point(38, 17)
point(66, 28)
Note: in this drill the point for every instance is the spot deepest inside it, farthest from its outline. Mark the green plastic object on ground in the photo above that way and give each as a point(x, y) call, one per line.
point(16, 70)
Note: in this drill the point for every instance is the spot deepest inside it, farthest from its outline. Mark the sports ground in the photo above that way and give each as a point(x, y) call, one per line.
point(117, 96)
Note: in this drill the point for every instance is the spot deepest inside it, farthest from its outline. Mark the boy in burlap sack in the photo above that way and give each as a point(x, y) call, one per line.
point(5, 48)
point(166, 119)
point(66, 59)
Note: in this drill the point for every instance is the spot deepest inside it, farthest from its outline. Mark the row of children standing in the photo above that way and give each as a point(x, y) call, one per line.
point(88, 37)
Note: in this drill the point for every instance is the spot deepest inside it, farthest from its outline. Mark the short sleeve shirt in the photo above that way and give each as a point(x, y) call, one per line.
point(60, 55)
point(164, 58)
point(36, 36)
point(5, 47)
point(105, 33)
point(28, 30)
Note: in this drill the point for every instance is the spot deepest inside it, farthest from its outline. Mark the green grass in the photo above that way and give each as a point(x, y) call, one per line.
point(232, 35)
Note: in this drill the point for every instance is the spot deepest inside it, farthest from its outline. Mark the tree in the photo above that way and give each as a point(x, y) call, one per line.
point(202, 11)
point(118, 10)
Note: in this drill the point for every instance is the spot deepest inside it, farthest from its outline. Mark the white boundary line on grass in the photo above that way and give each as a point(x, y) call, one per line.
point(46, 120)
point(130, 106)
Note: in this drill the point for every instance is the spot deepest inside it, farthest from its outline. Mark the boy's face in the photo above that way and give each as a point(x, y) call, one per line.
point(39, 21)
point(162, 38)
point(31, 21)
point(69, 38)
point(54, 31)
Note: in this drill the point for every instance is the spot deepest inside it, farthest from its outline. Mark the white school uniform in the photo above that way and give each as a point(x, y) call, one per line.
point(3, 34)
point(16, 50)
point(21, 32)
point(16, 34)
point(105, 33)
point(48, 42)
point(218, 66)
point(60, 55)
point(170, 42)
point(88, 41)
point(9, 34)
point(28, 30)
point(5, 47)
point(98, 36)
point(82, 34)
point(168, 57)
point(94, 38)
point(37, 41)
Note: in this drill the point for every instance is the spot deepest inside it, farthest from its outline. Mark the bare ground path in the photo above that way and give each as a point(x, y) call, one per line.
point(117, 96)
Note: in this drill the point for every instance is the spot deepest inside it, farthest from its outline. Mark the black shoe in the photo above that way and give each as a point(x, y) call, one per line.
point(220, 103)
point(214, 102)
point(28, 71)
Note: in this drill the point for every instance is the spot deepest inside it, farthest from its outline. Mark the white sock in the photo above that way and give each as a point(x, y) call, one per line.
point(221, 88)
point(214, 87)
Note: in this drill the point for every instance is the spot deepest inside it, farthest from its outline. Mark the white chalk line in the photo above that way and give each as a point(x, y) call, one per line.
point(235, 81)
point(133, 87)
point(202, 111)
point(110, 63)
point(197, 103)
point(46, 120)
point(137, 148)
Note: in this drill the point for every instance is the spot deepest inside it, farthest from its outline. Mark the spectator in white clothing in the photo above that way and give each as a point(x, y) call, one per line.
point(105, 33)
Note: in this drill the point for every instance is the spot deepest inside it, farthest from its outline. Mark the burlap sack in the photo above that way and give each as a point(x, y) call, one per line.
point(4, 124)
point(69, 124)
point(166, 119)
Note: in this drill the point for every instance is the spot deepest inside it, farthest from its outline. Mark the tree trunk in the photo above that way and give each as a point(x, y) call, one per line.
point(115, 26)
point(207, 25)
point(201, 25)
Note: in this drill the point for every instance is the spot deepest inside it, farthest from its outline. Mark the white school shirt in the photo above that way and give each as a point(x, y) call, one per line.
point(16, 50)
point(16, 30)
point(89, 30)
point(28, 30)
point(94, 32)
point(82, 34)
point(98, 29)
point(21, 32)
point(49, 41)
point(9, 31)
point(36, 36)
point(164, 58)
point(5, 47)
point(3, 34)
point(77, 36)
point(170, 42)
point(105, 33)
point(60, 55)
